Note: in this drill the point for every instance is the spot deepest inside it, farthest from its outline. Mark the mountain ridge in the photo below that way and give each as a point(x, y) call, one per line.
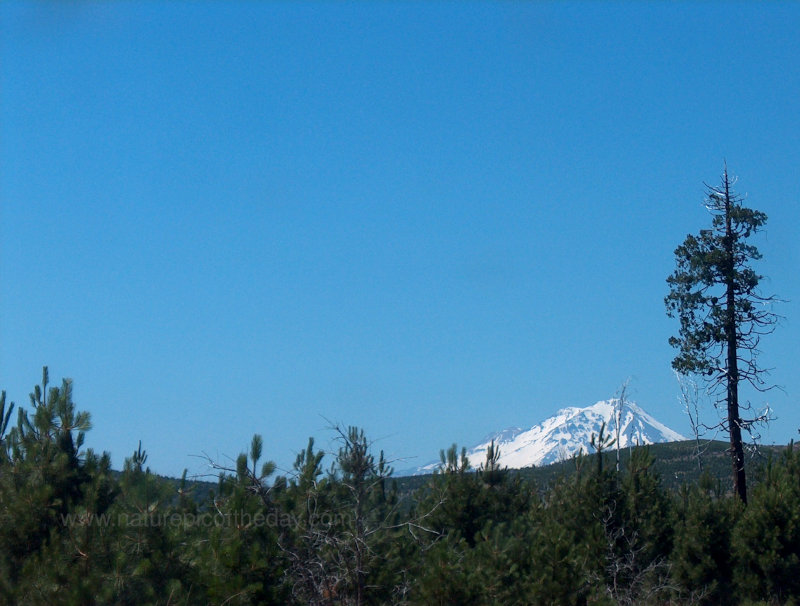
point(566, 433)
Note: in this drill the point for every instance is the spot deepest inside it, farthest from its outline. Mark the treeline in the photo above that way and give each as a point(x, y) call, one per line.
point(335, 531)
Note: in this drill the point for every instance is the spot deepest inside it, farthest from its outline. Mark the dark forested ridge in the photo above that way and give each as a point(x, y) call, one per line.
point(676, 463)
point(659, 531)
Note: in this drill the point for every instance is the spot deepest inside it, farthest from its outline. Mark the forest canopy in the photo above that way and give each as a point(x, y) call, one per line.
point(336, 530)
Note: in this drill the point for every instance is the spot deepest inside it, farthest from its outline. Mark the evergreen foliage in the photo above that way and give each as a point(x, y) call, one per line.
point(73, 532)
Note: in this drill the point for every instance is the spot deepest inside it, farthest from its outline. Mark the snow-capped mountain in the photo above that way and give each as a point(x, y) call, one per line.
point(568, 431)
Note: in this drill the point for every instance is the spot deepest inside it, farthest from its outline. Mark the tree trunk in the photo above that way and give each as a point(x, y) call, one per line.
point(734, 422)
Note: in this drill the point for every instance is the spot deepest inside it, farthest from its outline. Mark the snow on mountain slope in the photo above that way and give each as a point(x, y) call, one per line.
point(568, 431)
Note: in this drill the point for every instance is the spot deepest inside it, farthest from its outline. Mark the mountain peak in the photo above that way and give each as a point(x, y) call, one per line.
point(567, 432)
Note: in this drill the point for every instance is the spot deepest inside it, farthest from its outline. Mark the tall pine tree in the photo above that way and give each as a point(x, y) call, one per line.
point(714, 293)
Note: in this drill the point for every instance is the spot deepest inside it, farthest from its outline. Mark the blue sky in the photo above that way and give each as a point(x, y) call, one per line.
point(431, 220)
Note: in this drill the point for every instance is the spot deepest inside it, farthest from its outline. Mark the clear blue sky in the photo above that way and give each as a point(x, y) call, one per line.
point(431, 220)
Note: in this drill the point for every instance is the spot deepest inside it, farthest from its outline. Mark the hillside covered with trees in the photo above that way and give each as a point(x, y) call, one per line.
point(335, 530)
